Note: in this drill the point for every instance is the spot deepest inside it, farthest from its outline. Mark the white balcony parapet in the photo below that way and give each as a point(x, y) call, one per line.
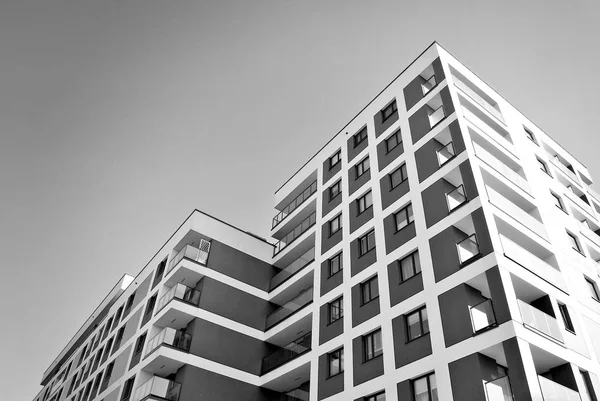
point(300, 229)
point(565, 170)
point(181, 292)
point(499, 390)
point(294, 204)
point(190, 252)
point(540, 321)
point(575, 199)
point(488, 132)
point(552, 391)
point(157, 387)
point(478, 98)
point(171, 337)
point(589, 234)
point(501, 168)
point(594, 194)
point(283, 312)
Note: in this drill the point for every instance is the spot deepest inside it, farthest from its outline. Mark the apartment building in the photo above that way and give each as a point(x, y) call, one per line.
point(440, 246)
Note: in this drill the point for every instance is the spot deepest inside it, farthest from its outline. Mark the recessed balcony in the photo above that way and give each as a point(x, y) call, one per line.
point(180, 293)
point(482, 316)
point(294, 204)
point(479, 96)
point(286, 353)
point(557, 162)
point(456, 198)
point(499, 162)
point(428, 84)
point(541, 322)
point(190, 252)
point(303, 299)
point(485, 125)
point(158, 389)
point(291, 269)
point(170, 337)
point(468, 249)
point(499, 389)
point(295, 233)
point(552, 391)
point(446, 153)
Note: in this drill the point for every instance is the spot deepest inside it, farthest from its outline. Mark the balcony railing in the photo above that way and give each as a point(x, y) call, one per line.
point(468, 248)
point(552, 391)
point(180, 292)
point(300, 301)
point(191, 252)
point(157, 387)
point(293, 268)
point(456, 198)
point(171, 337)
point(516, 212)
point(579, 202)
point(594, 194)
point(587, 232)
point(478, 98)
point(540, 321)
point(293, 205)
point(298, 394)
point(565, 170)
point(295, 233)
point(499, 390)
point(445, 154)
point(436, 116)
point(285, 354)
point(501, 168)
point(428, 85)
point(482, 316)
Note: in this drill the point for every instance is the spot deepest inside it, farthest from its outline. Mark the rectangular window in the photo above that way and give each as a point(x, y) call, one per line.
point(335, 159)
point(574, 242)
point(389, 111)
point(543, 166)
point(127, 389)
point(564, 312)
point(360, 136)
point(376, 397)
point(593, 289)
point(336, 362)
point(117, 318)
point(161, 269)
point(336, 309)
point(557, 201)
point(364, 202)
point(335, 190)
point(530, 135)
point(129, 304)
point(118, 339)
point(403, 217)
point(398, 176)
point(366, 243)
point(417, 324)
point(587, 386)
point(369, 290)
point(393, 141)
point(425, 388)
point(150, 305)
point(335, 224)
point(108, 371)
point(409, 266)
point(139, 344)
point(335, 264)
point(372, 345)
point(362, 167)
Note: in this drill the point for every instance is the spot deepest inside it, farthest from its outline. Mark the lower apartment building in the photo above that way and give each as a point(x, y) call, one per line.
point(439, 247)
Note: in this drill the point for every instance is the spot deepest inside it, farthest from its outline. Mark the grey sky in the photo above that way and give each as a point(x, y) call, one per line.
point(119, 117)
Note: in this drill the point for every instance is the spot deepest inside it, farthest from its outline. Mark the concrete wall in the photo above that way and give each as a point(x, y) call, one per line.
point(401, 291)
point(328, 282)
point(384, 158)
point(388, 194)
point(359, 263)
point(380, 125)
point(328, 331)
point(363, 312)
point(406, 351)
point(358, 220)
point(329, 240)
point(426, 156)
point(328, 386)
point(364, 370)
point(329, 204)
point(354, 151)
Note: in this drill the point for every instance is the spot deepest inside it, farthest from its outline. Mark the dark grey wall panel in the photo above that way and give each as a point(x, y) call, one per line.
point(327, 241)
point(120, 365)
point(328, 386)
point(327, 330)
point(434, 200)
point(328, 282)
point(364, 371)
point(426, 156)
point(384, 158)
point(419, 121)
point(328, 173)
point(516, 371)
point(359, 263)
point(355, 183)
point(395, 239)
point(358, 220)
point(498, 295)
point(140, 294)
point(362, 313)
point(408, 352)
point(389, 195)
point(404, 390)
point(380, 125)
point(402, 291)
point(330, 204)
point(413, 92)
point(354, 151)
point(468, 374)
point(456, 316)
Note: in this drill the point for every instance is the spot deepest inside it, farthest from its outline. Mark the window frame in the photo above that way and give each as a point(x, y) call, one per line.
point(566, 317)
point(575, 244)
point(361, 165)
point(128, 386)
point(331, 222)
point(374, 397)
point(139, 343)
point(416, 265)
point(360, 136)
point(410, 218)
point(338, 186)
point(361, 203)
point(403, 174)
point(428, 381)
point(543, 166)
point(419, 312)
point(369, 351)
point(593, 288)
point(530, 135)
point(561, 204)
point(393, 106)
point(339, 355)
point(398, 136)
point(367, 287)
point(365, 239)
point(337, 257)
point(339, 303)
point(337, 156)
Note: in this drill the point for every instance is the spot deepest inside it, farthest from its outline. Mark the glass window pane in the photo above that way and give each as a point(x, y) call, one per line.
point(377, 346)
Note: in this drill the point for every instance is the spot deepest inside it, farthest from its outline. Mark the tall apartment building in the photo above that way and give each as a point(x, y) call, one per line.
point(439, 247)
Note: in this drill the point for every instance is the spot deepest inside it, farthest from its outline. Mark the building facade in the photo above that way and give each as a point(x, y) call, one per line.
point(439, 247)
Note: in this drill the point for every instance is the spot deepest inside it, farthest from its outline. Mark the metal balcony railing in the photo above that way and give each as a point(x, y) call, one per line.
point(171, 337)
point(289, 308)
point(295, 233)
point(191, 252)
point(552, 391)
point(456, 198)
point(445, 154)
point(478, 98)
point(157, 387)
point(436, 116)
point(540, 321)
point(482, 316)
point(304, 260)
point(293, 205)
point(285, 354)
point(180, 292)
point(499, 390)
point(428, 85)
point(468, 248)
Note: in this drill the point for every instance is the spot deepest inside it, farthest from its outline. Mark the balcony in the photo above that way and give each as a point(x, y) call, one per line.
point(435, 116)
point(300, 229)
point(170, 337)
point(501, 168)
point(540, 321)
point(190, 252)
point(157, 388)
point(181, 293)
point(482, 316)
point(287, 353)
point(587, 232)
point(480, 100)
point(552, 391)
point(428, 85)
point(445, 154)
point(468, 249)
point(594, 194)
point(456, 198)
point(499, 390)
point(565, 170)
point(303, 299)
point(300, 263)
point(294, 204)
point(579, 202)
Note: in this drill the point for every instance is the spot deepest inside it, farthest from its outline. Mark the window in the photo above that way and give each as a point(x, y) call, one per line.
point(403, 217)
point(389, 111)
point(593, 289)
point(362, 167)
point(364, 202)
point(425, 388)
point(335, 159)
point(336, 309)
point(376, 397)
point(107, 328)
point(564, 312)
point(335, 190)
point(393, 141)
point(108, 371)
point(372, 345)
point(129, 304)
point(558, 202)
point(161, 269)
point(530, 135)
point(117, 317)
point(335, 264)
point(139, 344)
point(369, 290)
point(574, 242)
point(587, 385)
point(543, 166)
point(417, 324)
point(336, 362)
point(409, 266)
point(360, 136)
point(335, 224)
point(127, 389)
point(398, 176)
point(118, 339)
point(366, 243)
point(150, 305)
